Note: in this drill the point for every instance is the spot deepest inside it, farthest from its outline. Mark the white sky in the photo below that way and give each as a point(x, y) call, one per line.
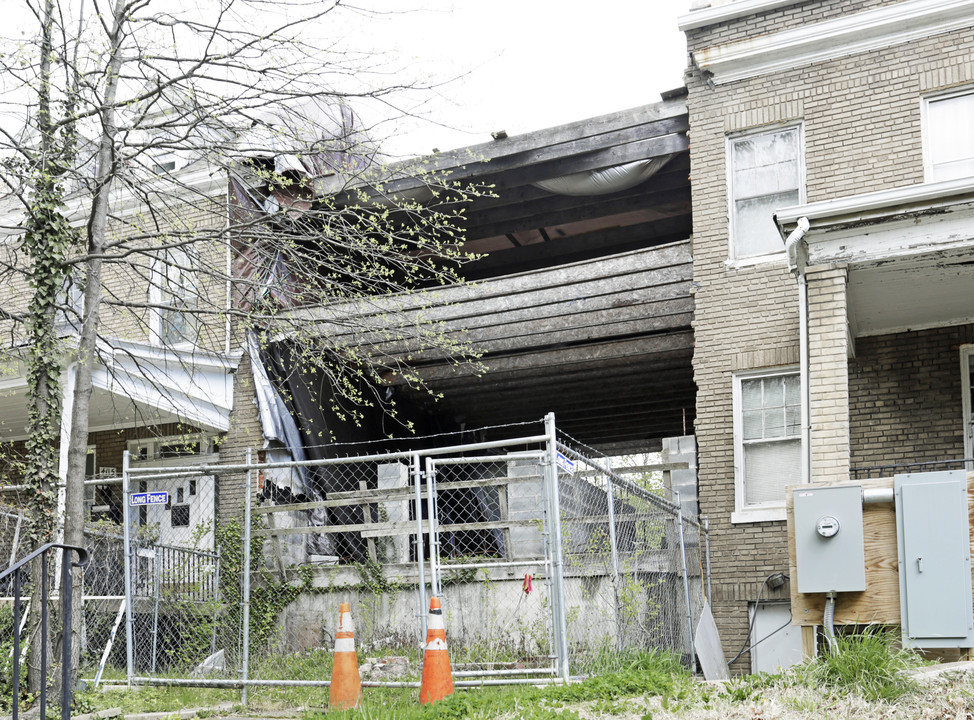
point(528, 64)
point(514, 65)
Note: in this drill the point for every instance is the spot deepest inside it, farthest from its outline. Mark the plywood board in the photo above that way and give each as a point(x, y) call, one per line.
point(880, 603)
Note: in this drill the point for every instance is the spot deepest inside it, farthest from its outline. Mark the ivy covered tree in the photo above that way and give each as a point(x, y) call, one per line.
point(125, 123)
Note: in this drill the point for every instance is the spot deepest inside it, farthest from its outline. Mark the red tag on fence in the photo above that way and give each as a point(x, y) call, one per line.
point(526, 587)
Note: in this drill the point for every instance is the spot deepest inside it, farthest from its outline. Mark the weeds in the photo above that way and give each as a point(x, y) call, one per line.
point(870, 664)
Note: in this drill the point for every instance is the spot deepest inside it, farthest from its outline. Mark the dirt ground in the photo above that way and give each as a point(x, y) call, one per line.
point(946, 693)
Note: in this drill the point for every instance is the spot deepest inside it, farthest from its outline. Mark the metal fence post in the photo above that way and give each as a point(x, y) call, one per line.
point(127, 559)
point(706, 541)
point(433, 512)
point(420, 562)
point(686, 574)
point(558, 604)
point(245, 600)
point(66, 631)
point(610, 497)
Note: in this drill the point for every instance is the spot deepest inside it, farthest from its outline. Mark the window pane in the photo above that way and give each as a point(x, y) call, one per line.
point(753, 425)
point(769, 468)
point(950, 137)
point(793, 420)
point(793, 390)
point(755, 232)
point(752, 395)
point(774, 423)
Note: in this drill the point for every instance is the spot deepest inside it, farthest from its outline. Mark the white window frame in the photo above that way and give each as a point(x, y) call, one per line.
point(744, 513)
point(208, 451)
point(730, 141)
point(925, 124)
point(157, 300)
point(966, 364)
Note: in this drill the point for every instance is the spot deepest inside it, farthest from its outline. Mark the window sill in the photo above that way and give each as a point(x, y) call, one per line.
point(753, 515)
point(752, 260)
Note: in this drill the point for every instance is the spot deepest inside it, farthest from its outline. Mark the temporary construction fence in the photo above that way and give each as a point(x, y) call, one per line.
point(548, 558)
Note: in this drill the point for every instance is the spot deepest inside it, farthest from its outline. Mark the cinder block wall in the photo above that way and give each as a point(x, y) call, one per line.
point(862, 130)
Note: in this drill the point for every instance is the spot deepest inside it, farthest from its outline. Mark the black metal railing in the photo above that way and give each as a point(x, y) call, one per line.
point(16, 574)
point(891, 469)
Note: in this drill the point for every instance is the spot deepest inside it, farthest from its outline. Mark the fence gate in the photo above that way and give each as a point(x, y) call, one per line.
point(492, 561)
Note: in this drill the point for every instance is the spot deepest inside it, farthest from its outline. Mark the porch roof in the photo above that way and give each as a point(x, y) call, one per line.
point(138, 384)
point(908, 251)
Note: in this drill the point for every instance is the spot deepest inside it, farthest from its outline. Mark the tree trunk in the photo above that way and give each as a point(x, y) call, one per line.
point(88, 340)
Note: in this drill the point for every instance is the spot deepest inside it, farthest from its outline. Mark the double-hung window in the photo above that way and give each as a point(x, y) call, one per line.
point(767, 441)
point(765, 171)
point(948, 136)
point(175, 296)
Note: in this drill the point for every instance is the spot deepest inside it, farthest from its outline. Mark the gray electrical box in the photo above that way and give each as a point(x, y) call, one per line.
point(934, 547)
point(829, 548)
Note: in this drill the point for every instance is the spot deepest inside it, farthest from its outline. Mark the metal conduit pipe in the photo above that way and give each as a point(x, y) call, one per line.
point(828, 620)
point(874, 496)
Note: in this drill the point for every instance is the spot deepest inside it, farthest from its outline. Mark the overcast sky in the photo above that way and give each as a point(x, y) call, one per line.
point(528, 64)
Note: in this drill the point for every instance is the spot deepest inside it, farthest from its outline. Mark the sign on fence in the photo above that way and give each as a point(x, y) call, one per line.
point(148, 498)
point(565, 464)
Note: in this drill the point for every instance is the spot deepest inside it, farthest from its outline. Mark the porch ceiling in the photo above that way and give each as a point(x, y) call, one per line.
point(911, 293)
point(106, 411)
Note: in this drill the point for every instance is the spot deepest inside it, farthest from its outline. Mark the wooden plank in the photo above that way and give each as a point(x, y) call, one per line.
point(652, 292)
point(388, 529)
point(437, 304)
point(675, 344)
point(564, 139)
point(667, 204)
point(369, 497)
point(597, 160)
point(502, 340)
point(880, 603)
point(676, 173)
point(809, 650)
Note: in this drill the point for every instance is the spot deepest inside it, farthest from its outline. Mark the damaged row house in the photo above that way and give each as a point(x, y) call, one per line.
point(633, 305)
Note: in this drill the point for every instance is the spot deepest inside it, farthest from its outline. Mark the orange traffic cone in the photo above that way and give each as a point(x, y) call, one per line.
point(437, 679)
point(346, 685)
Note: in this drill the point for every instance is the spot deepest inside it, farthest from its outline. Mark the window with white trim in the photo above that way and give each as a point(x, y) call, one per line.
point(765, 174)
point(175, 296)
point(767, 437)
point(948, 136)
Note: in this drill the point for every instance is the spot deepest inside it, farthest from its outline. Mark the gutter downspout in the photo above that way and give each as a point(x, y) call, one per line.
point(797, 253)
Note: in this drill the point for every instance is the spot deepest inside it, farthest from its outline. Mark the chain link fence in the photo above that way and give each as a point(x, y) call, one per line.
point(635, 562)
point(549, 558)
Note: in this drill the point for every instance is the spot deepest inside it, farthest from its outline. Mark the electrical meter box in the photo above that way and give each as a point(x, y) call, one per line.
point(829, 548)
point(934, 546)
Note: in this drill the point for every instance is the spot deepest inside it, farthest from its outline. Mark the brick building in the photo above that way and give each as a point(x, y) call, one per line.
point(847, 126)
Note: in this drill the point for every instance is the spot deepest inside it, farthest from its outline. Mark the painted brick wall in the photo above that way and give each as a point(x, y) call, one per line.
point(862, 132)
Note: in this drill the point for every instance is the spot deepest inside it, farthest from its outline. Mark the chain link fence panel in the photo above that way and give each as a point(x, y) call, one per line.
point(221, 597)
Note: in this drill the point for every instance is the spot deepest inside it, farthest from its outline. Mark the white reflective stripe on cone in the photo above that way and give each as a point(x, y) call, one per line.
point(436, 644)
point(345, 623)
point(435, 622)
point(345, 645)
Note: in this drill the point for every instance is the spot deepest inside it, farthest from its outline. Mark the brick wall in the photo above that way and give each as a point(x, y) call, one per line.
point(862, 132)
point(828, 375)
point(905, 399)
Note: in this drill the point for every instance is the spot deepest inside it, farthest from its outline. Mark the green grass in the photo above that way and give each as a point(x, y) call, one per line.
point(633, 674)
point(870, 664)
